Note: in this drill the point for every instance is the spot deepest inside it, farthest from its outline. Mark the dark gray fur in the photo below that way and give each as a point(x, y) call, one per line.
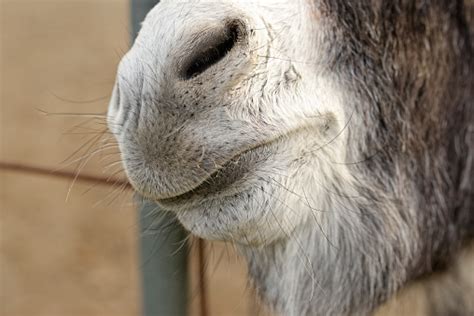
point(397, 210)
point(409, 64)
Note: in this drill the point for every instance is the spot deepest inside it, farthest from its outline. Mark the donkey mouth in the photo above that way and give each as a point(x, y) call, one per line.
point(223, 181)
point(232, 178)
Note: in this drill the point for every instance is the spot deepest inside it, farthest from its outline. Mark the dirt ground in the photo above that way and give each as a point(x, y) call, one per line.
point(72, 251)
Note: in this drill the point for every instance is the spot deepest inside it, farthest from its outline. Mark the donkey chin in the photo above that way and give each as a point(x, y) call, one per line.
point(332, 141)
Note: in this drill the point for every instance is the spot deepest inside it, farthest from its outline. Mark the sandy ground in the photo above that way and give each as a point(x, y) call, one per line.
point(72, 253)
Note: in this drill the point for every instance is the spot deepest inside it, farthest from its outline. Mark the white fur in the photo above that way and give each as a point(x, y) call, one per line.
point(283, 46)
point(298, 103)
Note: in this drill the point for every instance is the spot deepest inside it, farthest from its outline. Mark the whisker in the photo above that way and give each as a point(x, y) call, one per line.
point(80, 101)
point(75, 114)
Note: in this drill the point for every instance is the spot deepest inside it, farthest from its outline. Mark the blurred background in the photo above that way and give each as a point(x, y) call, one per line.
point(69, 247)
point(72, 248)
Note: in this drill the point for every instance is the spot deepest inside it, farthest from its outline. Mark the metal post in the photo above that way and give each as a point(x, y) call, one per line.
point(162, 248)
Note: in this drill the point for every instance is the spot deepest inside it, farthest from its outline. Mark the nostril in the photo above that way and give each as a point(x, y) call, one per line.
point(213, 50)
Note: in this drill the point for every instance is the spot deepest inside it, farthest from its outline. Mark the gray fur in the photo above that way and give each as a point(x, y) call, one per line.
point(346, 170)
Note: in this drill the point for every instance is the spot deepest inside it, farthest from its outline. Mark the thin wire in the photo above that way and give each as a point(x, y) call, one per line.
point(28, 169)
point(42, 171)
point(202, 277)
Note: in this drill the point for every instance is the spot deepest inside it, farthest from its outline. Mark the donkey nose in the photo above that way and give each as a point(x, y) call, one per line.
point(170, 108)
point(212, 46)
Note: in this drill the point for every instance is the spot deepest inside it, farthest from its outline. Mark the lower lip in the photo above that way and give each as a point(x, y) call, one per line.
point(221, 182)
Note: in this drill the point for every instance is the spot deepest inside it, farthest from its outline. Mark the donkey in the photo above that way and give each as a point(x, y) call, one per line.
point(331, 140)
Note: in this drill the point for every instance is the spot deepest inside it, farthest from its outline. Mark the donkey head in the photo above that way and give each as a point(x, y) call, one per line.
point(331, 140)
